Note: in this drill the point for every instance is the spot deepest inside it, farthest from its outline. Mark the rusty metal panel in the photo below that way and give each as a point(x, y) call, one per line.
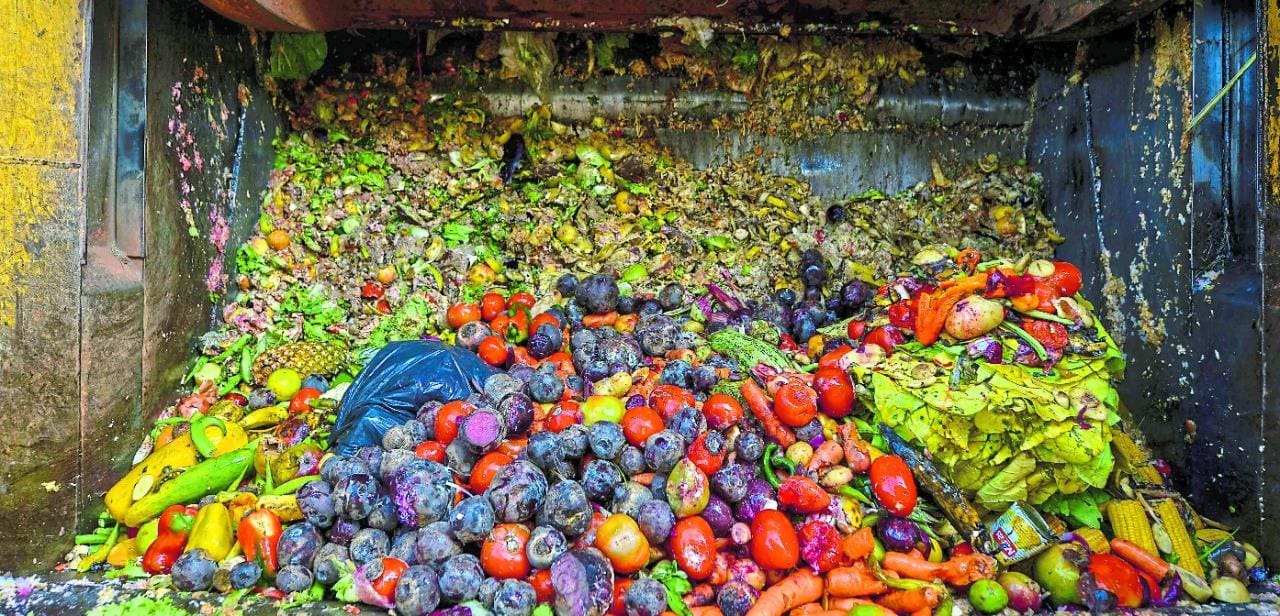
point(1009, 18)
point(41, 236)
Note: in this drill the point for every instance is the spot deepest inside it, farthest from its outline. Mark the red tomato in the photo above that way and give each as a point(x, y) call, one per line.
point(382, 306)
point(856, 329)
point(722, 411)
point(640, 423)
point(371, 290)
point(694, 547)
point(541, 583)
point(774, 544)
point(449, 417)
point(1052, 335)
point(618, 607)
point(301, 401)
point(502, 555)
point(903, 314)
point(386, 582)
point(484, 470)
point(544, 319)
point(523, 299)
point(588, 539)
point(893, 485)
point(886, 337)
point(621, 541)
point(1065, 279)
point(491, 305)
point(562, 361)
point(703, 457)
point(430, 450)
point(493, 350)
point(520, 355)
point(835, 391)
point(237, 398)
point(667, 399)
point(835, 357)
point(962, 549)
point(460, 314)
point(1117, 576)
point(563, 415)
point(796, 404)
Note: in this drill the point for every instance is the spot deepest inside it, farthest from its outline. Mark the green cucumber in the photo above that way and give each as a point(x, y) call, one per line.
point(201, 480)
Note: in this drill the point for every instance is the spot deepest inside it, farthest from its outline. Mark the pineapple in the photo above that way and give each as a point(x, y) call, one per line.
point(306, 357)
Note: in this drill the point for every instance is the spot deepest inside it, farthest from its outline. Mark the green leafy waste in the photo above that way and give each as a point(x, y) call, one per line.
point(317, 309)
point(140, 605)
point(1005, 432)
point(409, 322)
point(1083, 509)
point(296, 55)
point(677, 584)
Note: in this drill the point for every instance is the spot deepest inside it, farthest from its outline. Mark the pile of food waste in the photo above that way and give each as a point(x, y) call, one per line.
point(705, 392)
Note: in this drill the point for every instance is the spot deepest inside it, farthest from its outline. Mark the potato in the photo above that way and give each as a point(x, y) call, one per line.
point(974, 316)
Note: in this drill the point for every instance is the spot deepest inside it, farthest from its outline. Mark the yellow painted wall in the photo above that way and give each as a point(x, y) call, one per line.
point(41, 64)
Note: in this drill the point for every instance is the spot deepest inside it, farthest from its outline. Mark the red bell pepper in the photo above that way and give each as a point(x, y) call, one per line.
point(1118, 577)
point(259, 534)
point(1052, 335)
point(175, 525)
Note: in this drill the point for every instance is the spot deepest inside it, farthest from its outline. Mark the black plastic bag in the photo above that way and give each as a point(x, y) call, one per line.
point(399, 379)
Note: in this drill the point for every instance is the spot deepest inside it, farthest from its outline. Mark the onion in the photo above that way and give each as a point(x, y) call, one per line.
point(898, 534)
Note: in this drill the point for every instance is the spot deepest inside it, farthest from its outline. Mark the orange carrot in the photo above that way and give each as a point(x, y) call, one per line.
point(705, 610)
point(827, 454)
point(853, 581)
point(594, 321)
point(685, 354)
point(961, 570)
point(845, 604)
point(760, 406)
point(1139, 557)
point(644, 479)
point(933, 308)
point(858, 546)
point(909, 601)
point(856, 451)
point(795, 590)
point(816, 609)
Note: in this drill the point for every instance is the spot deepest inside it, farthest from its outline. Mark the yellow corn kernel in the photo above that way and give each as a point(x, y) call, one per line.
point(1129, 522)
point(1148, 474)
point(1127, 449)
point(1094, 537)
point(1176, 528)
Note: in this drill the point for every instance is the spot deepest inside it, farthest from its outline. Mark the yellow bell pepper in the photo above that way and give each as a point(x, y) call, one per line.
point(211, 531)
point(180, 453)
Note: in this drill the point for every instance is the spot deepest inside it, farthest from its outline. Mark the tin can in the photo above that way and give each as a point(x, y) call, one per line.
point(1019, 533)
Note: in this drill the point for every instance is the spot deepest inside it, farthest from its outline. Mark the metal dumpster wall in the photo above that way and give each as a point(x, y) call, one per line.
point(1167, 225)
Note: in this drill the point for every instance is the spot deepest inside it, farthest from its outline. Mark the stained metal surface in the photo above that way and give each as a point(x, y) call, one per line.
point(1007, 18)
point(1166, 225)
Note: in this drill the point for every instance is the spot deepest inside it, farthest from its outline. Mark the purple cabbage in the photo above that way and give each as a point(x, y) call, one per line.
point(987, 348)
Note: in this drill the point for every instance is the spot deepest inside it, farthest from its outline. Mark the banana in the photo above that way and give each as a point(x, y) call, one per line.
point(265, 417)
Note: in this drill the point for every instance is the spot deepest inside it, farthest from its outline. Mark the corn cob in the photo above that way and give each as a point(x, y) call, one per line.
point(1212, 535)
point(1094, 537)
point(1129, 522)
point(1128, 449)
point(1148, 474)
point(1055, 523)
point(1174, 526)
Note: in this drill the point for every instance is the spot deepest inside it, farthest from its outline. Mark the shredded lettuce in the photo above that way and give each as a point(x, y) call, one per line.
point(317, 309)
point(409, 322)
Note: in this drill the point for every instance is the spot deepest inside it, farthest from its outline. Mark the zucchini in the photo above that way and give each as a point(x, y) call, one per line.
point(199, 481)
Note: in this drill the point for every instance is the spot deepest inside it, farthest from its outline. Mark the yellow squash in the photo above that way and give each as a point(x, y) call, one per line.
point(178, 454)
